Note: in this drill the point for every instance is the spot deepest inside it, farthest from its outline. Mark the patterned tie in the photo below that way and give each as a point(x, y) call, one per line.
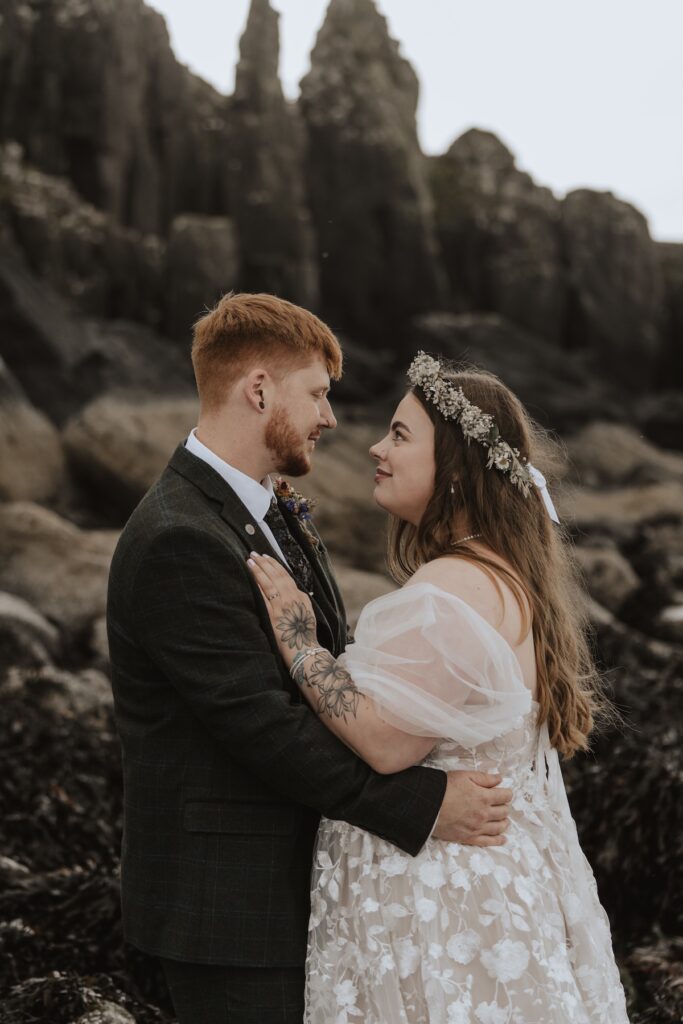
point(298, 563)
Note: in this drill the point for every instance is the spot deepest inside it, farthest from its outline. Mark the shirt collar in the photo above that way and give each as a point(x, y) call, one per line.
point(254, 495)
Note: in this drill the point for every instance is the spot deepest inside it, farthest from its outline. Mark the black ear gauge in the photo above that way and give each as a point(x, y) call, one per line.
point(261, 404)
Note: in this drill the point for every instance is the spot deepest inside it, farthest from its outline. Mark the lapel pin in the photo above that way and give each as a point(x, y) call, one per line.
point(251, 530)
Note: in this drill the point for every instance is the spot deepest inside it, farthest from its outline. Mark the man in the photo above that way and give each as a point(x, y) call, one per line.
point(226, 771)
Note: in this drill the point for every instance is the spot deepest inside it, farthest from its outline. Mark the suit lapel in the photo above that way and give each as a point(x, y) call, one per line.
point(238, 517)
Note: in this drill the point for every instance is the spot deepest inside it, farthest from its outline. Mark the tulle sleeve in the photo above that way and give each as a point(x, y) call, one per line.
point(434, 667)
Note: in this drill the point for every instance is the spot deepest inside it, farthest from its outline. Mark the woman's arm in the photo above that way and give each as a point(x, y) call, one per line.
point(326, 684)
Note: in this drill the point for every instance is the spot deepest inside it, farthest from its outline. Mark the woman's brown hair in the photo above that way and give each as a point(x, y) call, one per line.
point(542, 575)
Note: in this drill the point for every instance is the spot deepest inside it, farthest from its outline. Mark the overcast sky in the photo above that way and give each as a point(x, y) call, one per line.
point(584, 92)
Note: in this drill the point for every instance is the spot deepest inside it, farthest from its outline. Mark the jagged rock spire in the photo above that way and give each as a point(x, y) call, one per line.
point(369, 194)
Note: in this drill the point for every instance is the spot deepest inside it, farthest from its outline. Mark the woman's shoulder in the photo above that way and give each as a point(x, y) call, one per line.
point(485, 591)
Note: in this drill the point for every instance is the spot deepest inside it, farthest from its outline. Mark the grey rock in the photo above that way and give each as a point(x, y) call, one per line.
point(615, 454)
point(266, 151)
point(367, 179)
point(616, 286)
point(31, 457)
point(610, 578)
point(500, 235)
point(27, 639)
point(119, 445)
point(58, 569)
point(202, 265)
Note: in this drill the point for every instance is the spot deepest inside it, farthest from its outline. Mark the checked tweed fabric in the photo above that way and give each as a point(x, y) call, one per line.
point(298, 563)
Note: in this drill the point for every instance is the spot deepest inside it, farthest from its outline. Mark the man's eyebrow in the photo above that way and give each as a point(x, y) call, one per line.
point(397, 425)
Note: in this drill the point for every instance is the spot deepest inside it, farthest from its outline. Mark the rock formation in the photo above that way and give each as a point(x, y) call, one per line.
point(265, 170)
point(367, 177)
point(615, 286)
point(93, 92)
point(499, 234)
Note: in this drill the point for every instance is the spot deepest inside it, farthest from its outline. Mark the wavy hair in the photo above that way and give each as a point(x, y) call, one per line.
point(537, 555)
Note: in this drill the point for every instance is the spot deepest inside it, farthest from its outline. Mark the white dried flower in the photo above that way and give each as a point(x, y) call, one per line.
point(425, 372)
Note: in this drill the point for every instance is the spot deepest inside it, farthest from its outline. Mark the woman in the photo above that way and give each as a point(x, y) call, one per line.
point(478, 662)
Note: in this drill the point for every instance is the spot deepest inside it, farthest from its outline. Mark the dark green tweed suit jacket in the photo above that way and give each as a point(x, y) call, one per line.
point(226, 769)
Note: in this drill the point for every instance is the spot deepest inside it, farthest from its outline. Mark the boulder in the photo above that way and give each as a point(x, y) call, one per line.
point(265, 179)
point(367, 178)
point(615, 454)
point(500, 235)
point(27, 639)
point(610, 578)
point(58, 569)
point(559, 390)
point(118, 445)
point(202, 265)
point(622, 512)
point(31, 457)
point(615, 286)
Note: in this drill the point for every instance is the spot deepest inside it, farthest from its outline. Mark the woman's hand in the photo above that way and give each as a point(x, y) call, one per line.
point(290, 610)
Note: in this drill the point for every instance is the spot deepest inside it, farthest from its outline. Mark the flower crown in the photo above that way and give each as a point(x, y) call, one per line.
point(425, 372)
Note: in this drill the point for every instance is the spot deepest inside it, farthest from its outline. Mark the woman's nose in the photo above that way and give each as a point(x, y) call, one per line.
point(377, 451)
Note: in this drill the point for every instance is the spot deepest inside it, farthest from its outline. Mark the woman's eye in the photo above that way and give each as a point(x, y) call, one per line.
point(398, 436)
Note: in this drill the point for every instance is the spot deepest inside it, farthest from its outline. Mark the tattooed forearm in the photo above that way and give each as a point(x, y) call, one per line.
point(296, 626)
point(336, 691)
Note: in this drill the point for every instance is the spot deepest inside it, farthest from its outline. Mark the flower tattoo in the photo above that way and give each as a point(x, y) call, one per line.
point(296, 626)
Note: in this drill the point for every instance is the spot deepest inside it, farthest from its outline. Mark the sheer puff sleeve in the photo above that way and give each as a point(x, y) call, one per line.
point(434, 667)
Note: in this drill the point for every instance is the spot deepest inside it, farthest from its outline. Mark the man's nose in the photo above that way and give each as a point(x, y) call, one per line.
point(328, 415)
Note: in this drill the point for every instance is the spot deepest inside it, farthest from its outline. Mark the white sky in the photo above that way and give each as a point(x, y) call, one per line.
point(584, 92)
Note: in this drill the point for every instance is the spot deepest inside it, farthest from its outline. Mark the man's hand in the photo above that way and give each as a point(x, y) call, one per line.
point(474, 810)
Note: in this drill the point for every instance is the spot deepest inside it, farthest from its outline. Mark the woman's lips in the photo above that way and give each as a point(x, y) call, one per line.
point(380, 475)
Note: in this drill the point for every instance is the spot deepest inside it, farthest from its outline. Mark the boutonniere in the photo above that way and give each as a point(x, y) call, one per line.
point(297, 505)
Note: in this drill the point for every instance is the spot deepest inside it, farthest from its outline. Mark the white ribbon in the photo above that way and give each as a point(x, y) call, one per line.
point(540, 482)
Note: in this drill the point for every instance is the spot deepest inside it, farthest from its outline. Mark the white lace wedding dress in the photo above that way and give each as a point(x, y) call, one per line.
point(500, 935)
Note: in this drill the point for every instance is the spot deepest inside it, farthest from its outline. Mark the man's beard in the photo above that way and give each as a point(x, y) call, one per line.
point(283, 441)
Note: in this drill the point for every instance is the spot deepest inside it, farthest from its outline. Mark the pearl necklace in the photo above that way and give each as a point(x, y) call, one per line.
point(470, 536)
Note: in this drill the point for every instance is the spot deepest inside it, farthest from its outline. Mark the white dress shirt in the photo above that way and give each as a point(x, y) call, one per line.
point(254, 495)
